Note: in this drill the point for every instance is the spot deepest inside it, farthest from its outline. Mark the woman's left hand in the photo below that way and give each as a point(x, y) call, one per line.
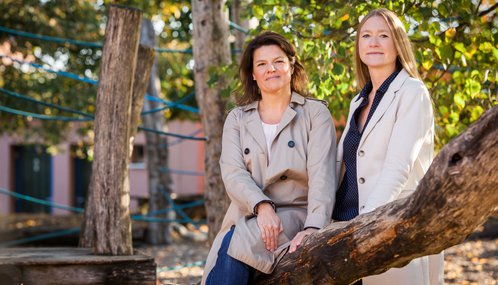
point(298, 239)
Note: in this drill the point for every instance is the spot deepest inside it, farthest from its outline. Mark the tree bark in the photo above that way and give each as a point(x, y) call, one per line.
point(236, 9)
point(107, 226)
point(145, 59)
point(211, 50)
point(157, 152)
point(456, 195)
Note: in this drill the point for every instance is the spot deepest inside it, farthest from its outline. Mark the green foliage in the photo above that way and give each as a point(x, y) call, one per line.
point(455, 43)
point(57, 19)
point(82, 20)
point(456, 46)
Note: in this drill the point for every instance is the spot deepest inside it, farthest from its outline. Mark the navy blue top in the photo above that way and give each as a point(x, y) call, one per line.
point(346, 204)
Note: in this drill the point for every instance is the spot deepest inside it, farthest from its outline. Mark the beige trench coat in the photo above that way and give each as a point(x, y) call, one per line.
point(395, 151)
point(299, 179)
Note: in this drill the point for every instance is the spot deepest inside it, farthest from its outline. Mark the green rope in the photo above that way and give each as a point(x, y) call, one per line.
point(41, 117)
point(40, 201)
point(40, 237)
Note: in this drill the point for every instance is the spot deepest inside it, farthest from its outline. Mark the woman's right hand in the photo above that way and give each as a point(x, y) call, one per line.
point(269, 224)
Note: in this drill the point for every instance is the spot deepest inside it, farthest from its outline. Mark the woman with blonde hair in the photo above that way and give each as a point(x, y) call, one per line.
point(388, 142)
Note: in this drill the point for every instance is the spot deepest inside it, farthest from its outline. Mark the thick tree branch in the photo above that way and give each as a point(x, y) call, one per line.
point(456, 195)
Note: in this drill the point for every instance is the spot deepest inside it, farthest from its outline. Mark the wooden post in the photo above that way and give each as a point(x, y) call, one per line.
point(107, 226)
point(157, 151)
point(145, 59)
point(236, 10)
point(211, 50)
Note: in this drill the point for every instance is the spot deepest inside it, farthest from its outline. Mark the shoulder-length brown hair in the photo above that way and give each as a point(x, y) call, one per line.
point(405, 58)
point(248, 91)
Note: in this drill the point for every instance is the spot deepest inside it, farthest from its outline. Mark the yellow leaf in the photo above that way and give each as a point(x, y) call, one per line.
point(450, 32)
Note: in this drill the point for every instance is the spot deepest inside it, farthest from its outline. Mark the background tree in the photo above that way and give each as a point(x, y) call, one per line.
point(107, 225)
point(85, 21)
point(211, 50)
point(157, 151)
point(56, 19)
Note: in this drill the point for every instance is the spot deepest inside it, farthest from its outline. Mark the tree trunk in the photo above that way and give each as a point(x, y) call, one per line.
point(107, 226)
point(157, 152)
point(211, 50)
point(240, 37)
point(145, 59)
point(456, 195)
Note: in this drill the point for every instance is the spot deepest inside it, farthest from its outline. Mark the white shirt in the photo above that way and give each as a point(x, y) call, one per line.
point(270, 131)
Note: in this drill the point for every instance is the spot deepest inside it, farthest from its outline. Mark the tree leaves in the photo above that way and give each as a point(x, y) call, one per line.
point(456, 49)
point(455, 43)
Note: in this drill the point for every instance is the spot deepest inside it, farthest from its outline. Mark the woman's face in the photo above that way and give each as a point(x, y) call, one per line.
point(271, 69)
point(376, 45)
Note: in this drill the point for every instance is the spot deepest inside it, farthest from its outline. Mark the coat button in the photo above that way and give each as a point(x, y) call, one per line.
point(361, 153)
point(361, 180)
point(362, 207)
point(283, 177)
point(291, 143)
point(246, 151)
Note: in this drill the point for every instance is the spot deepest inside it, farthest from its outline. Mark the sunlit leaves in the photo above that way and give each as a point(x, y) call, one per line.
point(459, 101)
point(457, 51)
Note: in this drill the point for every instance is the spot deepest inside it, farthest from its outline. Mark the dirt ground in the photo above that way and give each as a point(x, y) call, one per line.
point(473, 262)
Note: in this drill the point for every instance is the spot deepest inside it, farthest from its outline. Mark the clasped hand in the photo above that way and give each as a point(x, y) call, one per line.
point(270, 227)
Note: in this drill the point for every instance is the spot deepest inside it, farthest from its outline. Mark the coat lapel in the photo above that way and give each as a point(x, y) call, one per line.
point(254, 127)
point(289, 113)
point(253, 123)
point(384, 104)
point(354, 105)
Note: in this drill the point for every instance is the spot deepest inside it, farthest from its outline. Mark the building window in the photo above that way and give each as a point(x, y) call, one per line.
point(137, 160)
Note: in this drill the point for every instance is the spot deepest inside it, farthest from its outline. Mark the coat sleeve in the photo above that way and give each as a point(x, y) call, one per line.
point(240, 187)
point(414, 124)
point(321, 162)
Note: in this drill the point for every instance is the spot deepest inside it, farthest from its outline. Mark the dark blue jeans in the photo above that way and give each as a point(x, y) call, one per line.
point(228, 270)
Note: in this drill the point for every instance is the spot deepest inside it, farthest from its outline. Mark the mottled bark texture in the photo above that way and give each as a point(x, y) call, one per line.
point(456, 195)
point(211, 51)
point(156, 151)
point(107, 227)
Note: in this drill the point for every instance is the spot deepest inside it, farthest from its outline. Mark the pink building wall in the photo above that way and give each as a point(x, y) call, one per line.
point(61, 180)
point(186, 155)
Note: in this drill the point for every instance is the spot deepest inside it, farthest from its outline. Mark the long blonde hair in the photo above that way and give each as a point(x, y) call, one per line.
point(405, 58)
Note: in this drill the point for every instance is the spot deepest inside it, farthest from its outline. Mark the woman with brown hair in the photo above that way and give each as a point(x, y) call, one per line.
point(278, 153)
